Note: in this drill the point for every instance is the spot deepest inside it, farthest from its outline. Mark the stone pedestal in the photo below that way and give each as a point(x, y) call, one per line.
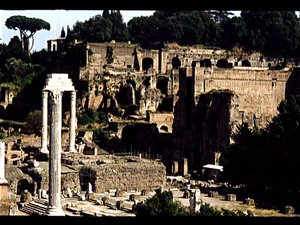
point(184, 166)
point(119, 193)
point(231, 197)
point(145, 193)
point(134, 197)
point(289, 209)
point(249, 201)
point(174, 167)
point(120, 204)
point(44, 148)
point(213, 194)
point(195, 200)
point(186, 194)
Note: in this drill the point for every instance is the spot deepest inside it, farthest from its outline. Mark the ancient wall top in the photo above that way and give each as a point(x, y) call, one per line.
point(58, 81)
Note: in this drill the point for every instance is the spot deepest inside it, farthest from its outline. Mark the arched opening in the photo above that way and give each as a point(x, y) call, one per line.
point(205, 63)
point(164, 128)
point(13, 156)
point(23, 185)
point(246, 62)
point(162, 84)
point(87, 175)
point(2, 111)
point(132, 82)
point(130, 138)
point(176, 63)
point(54, 47)
point(147, 63)
point(222, 63)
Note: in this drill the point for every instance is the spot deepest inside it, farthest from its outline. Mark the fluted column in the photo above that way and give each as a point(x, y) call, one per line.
point(54, 207)
point(44, 121)
point(72, 122)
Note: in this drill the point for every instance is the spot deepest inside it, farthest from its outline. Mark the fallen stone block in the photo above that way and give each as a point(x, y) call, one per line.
point(249, 201)
point(289, 209)
point(213, 194)
point(145, 193)
point(231, 197)
point(134, 197)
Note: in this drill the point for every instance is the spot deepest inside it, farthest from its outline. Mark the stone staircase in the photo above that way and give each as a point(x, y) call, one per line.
point(36, 206)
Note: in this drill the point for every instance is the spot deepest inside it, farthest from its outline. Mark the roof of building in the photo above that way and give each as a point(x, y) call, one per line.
point(214, 167)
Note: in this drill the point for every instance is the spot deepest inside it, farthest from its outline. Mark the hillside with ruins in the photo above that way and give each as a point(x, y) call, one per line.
point(116, 109)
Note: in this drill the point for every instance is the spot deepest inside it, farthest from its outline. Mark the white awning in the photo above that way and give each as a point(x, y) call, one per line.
point(214, 167)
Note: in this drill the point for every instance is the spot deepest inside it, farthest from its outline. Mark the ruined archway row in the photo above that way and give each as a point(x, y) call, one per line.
point(206, 62)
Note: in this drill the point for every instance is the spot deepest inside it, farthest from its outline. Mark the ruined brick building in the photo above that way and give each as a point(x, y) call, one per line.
point(187, 99)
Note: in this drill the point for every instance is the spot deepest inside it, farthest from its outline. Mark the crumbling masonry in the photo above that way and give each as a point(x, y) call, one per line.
point(208, 90)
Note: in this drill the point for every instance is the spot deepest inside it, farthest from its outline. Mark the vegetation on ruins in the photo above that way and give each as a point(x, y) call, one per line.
point(267, 157)
point(100, 28)
point(163, 204)
point(274, 33)
point(34, 122)
point(92, 116)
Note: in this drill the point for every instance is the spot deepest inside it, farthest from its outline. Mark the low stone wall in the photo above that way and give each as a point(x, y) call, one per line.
point(128, 176)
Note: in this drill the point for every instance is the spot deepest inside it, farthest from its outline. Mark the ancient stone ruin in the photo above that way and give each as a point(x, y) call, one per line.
point(56, 84)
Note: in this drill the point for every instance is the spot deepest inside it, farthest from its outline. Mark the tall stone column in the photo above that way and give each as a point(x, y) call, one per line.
point(44, 121)
point(54, 207)
point(72, 122)
point(2, 164)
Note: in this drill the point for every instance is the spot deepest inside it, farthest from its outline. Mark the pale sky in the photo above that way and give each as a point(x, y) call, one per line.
point(57, 20)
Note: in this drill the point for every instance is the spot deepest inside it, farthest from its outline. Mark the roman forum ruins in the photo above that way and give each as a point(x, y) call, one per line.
point(56, 84)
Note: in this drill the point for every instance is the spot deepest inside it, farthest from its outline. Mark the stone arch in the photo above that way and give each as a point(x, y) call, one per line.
point(87, 175)
point(13, 156)
point(205, 63)
point(162, 84)
point(132, 82)
point(222, 63)
point(2, 111)
point(147, 63)
point(246, 62)
point(130, 137)
point(176, 63)
point(164, 128)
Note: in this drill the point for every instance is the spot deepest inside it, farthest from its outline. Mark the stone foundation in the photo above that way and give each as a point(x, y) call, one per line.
point(128, 176)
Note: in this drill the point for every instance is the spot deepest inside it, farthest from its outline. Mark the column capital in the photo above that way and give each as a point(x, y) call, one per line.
point(55, 96)
point(73, 94)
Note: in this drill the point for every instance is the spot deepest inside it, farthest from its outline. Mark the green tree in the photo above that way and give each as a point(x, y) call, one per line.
point(96, 29)
point(119, 30)
point(269, 157)
point(100, 28)
point(20, 73)
point(143, 29)
point(27, 27)
point(161, 204)
point(233, 32)
point(184, 27)
point(34, 122)
point(274, 33)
